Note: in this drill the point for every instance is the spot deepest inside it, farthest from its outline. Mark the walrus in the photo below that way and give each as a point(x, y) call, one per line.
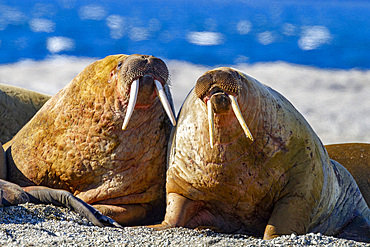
point(355, 157)
point(103, 138)
point(244, 160)
point(17, 107)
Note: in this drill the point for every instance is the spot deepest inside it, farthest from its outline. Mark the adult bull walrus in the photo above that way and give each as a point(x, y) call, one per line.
point(244, 160)
point(17, 107)
point(355, 157)
point(103, 138)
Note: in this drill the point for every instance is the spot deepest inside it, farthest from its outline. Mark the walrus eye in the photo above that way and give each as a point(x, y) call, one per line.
point(119, 65)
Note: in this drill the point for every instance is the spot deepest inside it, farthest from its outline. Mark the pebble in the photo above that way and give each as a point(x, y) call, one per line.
point(47, 225)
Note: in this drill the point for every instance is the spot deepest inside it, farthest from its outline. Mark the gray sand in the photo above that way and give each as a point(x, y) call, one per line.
point(40, 225)
point(335, 103)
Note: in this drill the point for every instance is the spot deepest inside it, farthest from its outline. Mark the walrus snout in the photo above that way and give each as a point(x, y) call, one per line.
point(145, 72)
point(222, 78)
point(136, 66)
point(219, 89)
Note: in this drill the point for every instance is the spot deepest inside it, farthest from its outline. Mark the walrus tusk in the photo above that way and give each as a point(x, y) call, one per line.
point(166, 105)
point(240, 118)
point(211, 123)
point(131, 102)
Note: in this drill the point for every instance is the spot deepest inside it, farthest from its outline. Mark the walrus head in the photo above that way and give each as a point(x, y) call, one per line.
point(149, 74)
point(219, 90)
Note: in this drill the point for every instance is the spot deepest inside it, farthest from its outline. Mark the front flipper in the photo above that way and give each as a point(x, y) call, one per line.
point(177, 212)
point(290, 215)
point(132, 214)
point(13, 194)
point(180, 210)
point(160, 227)
point(45, 195)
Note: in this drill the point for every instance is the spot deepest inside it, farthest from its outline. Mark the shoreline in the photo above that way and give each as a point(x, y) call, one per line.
point(336, 103)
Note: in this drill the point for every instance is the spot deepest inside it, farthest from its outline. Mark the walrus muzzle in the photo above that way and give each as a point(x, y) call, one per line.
point(144, 68)
point(162, 97)
point(217, 90)
point(220, 105)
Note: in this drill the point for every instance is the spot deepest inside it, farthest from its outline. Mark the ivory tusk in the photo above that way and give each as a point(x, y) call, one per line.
point(211, 123)
point(240, 118)
point(131, 102)
point(166, 105)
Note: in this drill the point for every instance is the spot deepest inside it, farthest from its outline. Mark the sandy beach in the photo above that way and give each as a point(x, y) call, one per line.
point(335, 102)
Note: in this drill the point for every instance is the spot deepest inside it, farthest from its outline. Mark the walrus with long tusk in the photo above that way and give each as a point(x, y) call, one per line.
point(244, 160)
point(102, 138)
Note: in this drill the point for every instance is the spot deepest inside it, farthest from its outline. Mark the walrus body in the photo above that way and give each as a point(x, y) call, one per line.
point(269, 178)
point(76, 142)
point(17, 107)
point(355, 157)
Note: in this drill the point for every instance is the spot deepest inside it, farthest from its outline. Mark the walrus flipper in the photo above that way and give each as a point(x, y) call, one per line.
point(355, 157)
point(358, 229)
point(12, 194)
point(44, 195)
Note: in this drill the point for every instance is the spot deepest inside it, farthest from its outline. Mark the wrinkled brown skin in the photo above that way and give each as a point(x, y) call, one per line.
point(76, 142)
point(355, 157)
point(17, 107)
point(281, 183)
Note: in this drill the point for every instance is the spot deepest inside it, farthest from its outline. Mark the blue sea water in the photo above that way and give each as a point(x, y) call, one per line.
point(325, 34)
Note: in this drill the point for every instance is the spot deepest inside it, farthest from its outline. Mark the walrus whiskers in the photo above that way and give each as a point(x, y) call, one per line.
point(131, 102)
point(162, 97)
point(164, 101)
point(211, 123)
point(240, 118)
